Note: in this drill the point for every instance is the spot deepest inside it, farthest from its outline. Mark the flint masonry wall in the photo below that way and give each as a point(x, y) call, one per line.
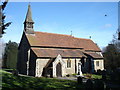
point(23, 55)
point(40, 64)
point(74, 65)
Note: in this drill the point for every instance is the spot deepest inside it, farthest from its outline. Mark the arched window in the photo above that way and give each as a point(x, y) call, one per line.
point(68, 63)
point(97, 63)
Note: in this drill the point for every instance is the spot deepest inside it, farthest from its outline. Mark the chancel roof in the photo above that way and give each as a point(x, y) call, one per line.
point(94, 55)
point(52, 52)
point(59, 40)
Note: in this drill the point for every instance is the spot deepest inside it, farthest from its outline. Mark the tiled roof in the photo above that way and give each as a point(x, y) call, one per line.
point(94, 55)
point(48, 52)
point(59, 40)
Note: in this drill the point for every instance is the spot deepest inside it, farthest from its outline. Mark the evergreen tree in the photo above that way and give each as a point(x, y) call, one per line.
point(10, 55)
point(3, 25)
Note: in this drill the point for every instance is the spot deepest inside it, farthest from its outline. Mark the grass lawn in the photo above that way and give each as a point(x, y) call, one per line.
point(31, 83)
point(96, 76)
point(93, 76)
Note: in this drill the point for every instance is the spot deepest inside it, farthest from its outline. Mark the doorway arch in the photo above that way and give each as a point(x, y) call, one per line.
point(59, 70)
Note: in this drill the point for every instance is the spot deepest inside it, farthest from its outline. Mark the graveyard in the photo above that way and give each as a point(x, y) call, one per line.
point(107, 81)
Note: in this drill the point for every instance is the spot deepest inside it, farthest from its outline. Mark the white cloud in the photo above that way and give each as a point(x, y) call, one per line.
point(107, 26)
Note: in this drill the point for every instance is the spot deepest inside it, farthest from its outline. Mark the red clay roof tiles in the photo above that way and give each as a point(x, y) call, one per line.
point(94, 55)
point(48, 52)
point(59, 40)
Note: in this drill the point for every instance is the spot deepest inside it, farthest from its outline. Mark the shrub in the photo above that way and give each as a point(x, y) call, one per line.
point(68, 75)
point(89, 76)
point(99, 72)
point(74, 74)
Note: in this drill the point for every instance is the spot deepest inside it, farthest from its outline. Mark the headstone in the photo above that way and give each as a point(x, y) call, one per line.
point(107, 88)
point(15, 72)
point(79, 80)
point(104, 75)
point(98, 85)
point(89, 85)
point(112, 77)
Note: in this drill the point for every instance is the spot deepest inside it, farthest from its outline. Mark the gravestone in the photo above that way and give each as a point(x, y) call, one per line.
point(79, 80)
point(98, 85)
point(15, 72)
point(104, 75)
point(89, 85)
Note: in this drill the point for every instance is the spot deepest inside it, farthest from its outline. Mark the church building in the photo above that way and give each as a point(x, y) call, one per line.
point(56, 55)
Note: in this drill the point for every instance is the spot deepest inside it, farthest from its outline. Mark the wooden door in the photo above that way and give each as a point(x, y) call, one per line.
point(59, 70)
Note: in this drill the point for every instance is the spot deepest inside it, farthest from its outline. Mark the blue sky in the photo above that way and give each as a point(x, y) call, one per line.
point(84, 19)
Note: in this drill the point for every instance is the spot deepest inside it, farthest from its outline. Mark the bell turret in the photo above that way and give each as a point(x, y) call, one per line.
point(28, 24)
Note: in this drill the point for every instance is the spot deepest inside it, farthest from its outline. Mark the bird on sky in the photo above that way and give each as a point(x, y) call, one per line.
point(105, 15)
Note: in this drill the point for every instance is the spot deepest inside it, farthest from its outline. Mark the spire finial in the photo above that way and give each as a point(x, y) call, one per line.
point(90, 37)
point(29, 3)
point(71, 32)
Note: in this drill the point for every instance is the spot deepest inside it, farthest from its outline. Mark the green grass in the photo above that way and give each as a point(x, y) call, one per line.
point(31, 83)
point(96, 76)
point(93, 76)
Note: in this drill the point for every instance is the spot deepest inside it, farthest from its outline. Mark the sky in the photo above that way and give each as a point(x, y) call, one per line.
point(84, 19)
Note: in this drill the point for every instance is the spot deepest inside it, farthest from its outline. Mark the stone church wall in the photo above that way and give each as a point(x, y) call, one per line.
point(23, 55)
point(40, 64)
point(74, 66)
point(70, 70)
point(32, 64)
